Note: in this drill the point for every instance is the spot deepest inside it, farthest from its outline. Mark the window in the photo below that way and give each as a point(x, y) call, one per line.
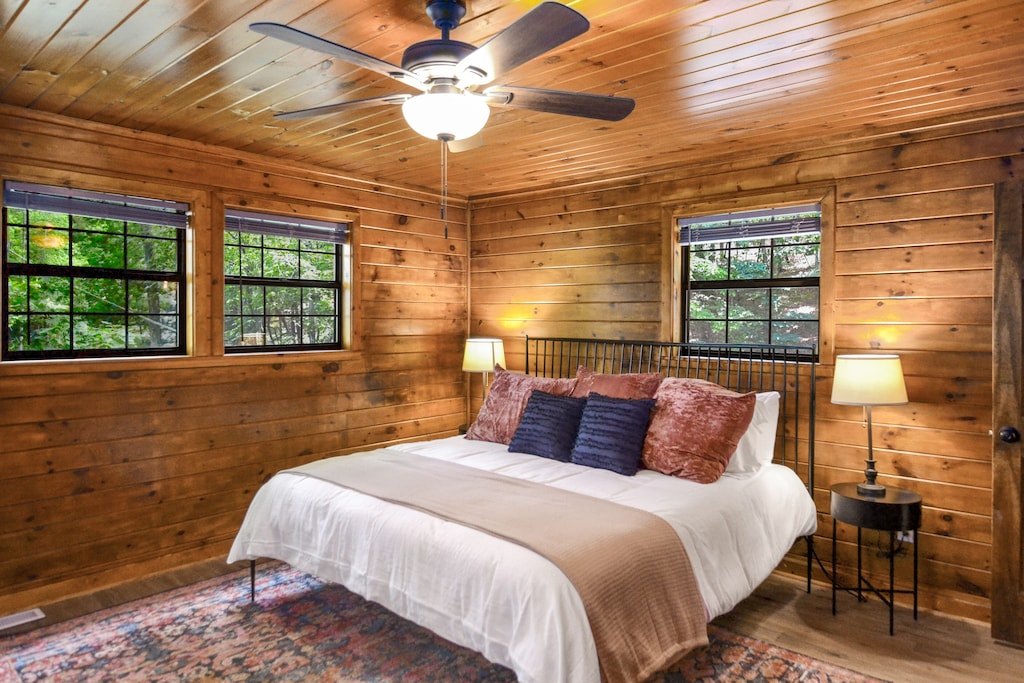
point(284, 282)
point(91, 274)
point(752, 277)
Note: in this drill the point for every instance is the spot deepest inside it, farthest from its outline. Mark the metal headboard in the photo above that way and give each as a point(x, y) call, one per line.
point(740, 367)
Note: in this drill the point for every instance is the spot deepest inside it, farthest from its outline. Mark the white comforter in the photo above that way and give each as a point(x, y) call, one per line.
point(499, 598)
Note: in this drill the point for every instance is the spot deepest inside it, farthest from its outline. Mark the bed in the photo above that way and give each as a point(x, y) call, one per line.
point(491, 581)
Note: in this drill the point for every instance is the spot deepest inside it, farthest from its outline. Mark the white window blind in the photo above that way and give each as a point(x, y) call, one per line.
point(751, 225)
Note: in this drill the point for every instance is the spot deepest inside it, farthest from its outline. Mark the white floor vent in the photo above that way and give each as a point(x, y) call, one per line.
point(12, 620)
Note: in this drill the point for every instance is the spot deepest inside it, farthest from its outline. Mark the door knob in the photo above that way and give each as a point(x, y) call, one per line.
point(1009, 434)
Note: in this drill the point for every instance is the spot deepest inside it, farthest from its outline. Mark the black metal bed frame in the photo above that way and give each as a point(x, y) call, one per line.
point(788, 370)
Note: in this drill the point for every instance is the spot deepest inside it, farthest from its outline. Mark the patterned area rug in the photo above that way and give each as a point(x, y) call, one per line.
point(301, 629)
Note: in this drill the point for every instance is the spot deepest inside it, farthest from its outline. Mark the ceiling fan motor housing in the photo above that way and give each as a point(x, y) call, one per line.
point(430, 59)
point(446, 14)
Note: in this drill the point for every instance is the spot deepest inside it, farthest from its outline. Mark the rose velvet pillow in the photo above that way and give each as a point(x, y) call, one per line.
point(695, 426)
point(625, 385)
point(503, 408)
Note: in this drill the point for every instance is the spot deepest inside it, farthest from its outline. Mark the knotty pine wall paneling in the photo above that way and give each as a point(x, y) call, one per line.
point(912, 262)
point(116, 469)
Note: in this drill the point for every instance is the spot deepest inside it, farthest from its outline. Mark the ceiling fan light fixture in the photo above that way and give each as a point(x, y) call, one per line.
point(449, 116)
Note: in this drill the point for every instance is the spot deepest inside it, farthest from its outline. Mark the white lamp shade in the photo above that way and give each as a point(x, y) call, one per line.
point(868, 380)
point(455, 115)
point(482, 354)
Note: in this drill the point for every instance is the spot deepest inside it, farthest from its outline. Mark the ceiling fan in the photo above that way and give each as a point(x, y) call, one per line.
point(455, 100)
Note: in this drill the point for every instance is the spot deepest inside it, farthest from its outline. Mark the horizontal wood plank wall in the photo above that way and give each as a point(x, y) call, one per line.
point(913, 275)
point(112, 470)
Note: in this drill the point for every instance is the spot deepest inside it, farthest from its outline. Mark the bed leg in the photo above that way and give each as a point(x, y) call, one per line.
point(810, 556)
point(252, 580)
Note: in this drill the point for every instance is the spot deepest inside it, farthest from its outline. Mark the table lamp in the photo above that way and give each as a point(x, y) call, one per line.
point(482, 354)
point(869, 380)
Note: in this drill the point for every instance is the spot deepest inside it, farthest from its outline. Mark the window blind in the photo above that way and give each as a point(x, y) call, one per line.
point(751, 225)
point(301, 228)
point(32, 197)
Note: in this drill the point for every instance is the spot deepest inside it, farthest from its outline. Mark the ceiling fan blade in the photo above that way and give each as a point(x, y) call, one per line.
point(545, 27)
point(361, 59)
point(342, 106)
point(604, 107)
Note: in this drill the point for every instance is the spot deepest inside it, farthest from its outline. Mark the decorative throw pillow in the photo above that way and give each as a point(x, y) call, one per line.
point(695, 427)
point(548, 426)
point(499, 416)
point(626, 385)
point(757, 445)
point(611, 434)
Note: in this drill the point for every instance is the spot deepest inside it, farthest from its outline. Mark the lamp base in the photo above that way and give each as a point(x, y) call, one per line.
point(870, 489)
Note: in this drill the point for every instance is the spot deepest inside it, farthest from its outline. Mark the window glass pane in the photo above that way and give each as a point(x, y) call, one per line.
point(48, 246)
point(48, 332)
point(99, 295)
point(748, 332)
point(280, 242)
point(318, 266)
point(314, 245)
point(252, 262)
point(796, 260)
point(17, 332)
point(152, 331)
point(709, 263)
point(282, 265)
point(153, 297)
point(707, 332)
point(795, 302)
point(17, 244)
point(232, 330)
point(152, 254)
point(252, 328)
point(48, 219)
point(751, 263)
point(98, 250)
point(232, 261)
point(165, 232)
point(708, 304)
point(284, 330)
point(49, 294)
point(319, 301)
point(88, 223)
point(320, 330)
point(800, 333)
point(98, 331)
point(232, 300)
point(748, 304)
point(252, 300)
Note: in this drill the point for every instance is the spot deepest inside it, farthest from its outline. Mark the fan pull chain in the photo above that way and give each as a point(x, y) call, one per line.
point(444, 183)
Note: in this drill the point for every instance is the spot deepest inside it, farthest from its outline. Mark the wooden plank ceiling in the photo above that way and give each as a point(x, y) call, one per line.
point(711, 79)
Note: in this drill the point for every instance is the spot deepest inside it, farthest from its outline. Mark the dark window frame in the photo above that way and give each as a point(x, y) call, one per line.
point(118, 207)
point(268, 224)
point(744, 230)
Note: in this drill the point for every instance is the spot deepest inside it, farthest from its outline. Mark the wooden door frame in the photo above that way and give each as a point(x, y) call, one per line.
point(1007, 594)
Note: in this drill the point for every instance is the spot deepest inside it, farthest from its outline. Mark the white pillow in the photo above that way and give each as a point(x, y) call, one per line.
point(757, 445)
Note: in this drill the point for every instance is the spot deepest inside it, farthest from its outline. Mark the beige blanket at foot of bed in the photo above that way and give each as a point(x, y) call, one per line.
point(628, 565)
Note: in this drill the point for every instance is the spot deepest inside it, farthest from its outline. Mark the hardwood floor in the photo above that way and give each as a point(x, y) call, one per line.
point(935, 649)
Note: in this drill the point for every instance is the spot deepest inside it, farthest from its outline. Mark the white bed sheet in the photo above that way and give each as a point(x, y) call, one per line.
point(497, 597)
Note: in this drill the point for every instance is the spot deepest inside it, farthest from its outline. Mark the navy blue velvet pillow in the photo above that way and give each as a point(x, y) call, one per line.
point(548, 426)
point(611, 434)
